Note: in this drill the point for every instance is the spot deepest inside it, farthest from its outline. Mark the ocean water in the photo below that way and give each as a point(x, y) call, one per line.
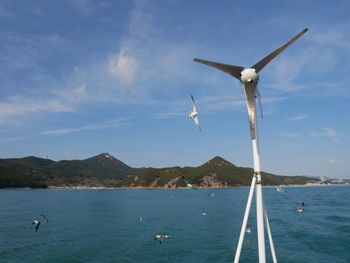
point(105, 226)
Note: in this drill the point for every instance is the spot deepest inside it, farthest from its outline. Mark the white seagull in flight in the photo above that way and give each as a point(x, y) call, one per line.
point(194, 115)
point(301, 207)
point(161, 238)
point(38, 223)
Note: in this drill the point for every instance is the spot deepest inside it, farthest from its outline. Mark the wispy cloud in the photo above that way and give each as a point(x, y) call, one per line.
point(299, 117)
point(332, 37)
point(333, 161)
point(14, 139)
point(211, 103)
point(105, 125)
point(327, 132)
point(169, 115)
point(97, 126)
point(123, 67)
point(20, 106)
point(290, 135)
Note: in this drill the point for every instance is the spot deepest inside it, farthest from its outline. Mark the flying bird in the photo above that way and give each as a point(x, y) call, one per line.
point(37, 223)
point(45, 218)
point(248, 229)
point(193, 186)
point(194, 115)
point(301, 207)
point(280, 189)
point(161, 238)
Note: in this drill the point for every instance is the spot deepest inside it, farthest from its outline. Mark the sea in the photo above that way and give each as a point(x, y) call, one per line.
point(120, 225)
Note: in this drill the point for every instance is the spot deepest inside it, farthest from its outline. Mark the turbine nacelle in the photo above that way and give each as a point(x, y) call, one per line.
point(249, 75)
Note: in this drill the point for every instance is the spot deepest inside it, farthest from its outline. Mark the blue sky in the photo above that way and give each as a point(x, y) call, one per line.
point(79, 78)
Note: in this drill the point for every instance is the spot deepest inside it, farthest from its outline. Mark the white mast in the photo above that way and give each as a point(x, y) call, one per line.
point(249, 78)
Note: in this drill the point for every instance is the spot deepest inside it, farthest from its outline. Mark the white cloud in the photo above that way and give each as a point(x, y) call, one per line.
point(169, 115)
point(290, 135)
point(327, 132)
point(333, 161)
point(332, 37)
point(299, 117)
point(105, 125)
point(310, 62)
point(97, 126)
point(14, 139)
point(80, 91)
point(20, 107)
point(123, 67)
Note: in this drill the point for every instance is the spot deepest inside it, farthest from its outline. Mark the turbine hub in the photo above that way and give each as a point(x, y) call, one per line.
point(249, 75)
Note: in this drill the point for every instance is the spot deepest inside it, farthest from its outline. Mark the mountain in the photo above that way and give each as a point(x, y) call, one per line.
point(100, 170)
point(215, 173)
point(107, 171)
point(11, 178)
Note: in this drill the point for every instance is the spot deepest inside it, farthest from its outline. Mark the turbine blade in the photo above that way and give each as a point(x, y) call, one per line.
point(262, 63)
point(234, 71)
point(250, 101)
point(260, 104)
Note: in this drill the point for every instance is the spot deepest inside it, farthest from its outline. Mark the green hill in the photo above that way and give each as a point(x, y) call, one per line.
point(11, 178)
point(106, 171)
point(215, 173)
point(100, 170)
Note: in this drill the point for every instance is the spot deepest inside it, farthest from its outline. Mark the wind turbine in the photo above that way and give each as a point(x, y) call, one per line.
point(249, 77)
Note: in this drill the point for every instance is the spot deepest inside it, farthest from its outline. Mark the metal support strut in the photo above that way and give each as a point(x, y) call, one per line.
point(244, 226)
point(261, 214)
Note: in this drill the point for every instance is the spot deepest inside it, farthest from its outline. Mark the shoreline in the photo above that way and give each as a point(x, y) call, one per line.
point(80, 187)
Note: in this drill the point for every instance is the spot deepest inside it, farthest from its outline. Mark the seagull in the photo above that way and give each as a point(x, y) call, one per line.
point(161, 238)
point(38, 223)
point(194, 115)
point(141, 218)
point(301, 207)
point(47, 220)
point(248, 229)
point(280, 189)
point(193, 186)
point(204, 213)
point(211, 195)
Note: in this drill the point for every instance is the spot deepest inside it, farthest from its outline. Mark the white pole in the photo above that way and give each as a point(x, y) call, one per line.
point(260, 221)
point(259, 201)
point(273, 252)
point(245, 220)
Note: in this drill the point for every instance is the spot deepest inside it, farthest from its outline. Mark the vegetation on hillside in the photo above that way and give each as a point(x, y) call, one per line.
point(215, 173)
point(106, 171)
point(11, 178)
